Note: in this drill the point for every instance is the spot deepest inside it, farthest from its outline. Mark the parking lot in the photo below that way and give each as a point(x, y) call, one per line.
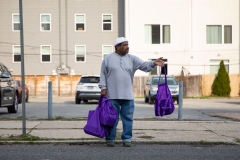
point(193, 109)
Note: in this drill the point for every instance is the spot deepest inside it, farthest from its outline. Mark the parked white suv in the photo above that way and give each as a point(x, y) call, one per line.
point(87, 89)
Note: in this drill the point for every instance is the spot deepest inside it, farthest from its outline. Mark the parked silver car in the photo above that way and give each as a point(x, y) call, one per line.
point(87, 89)
point(151, 87)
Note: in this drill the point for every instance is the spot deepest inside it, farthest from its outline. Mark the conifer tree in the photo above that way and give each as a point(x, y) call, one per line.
point(221, 84)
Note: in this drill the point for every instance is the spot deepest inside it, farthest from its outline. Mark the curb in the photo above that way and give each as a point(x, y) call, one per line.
point(88, 142)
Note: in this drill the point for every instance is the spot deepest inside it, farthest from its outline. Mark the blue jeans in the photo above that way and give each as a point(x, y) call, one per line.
point(125, 108)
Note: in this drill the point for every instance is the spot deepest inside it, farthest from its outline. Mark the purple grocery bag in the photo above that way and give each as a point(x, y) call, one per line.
point(93, 126)
point(164, 104)
point(108, 114)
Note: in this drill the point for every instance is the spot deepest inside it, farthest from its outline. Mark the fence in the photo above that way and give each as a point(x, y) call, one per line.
point(64, 85)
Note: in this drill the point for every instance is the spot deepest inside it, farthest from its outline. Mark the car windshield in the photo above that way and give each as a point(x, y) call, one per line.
point(89, 80)
point(170, 80)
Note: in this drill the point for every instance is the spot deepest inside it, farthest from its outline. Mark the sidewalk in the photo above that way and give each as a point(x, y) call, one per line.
point(143, 131)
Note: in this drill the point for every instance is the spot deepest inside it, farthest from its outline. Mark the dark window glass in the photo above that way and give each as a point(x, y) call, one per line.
point(155, 34)
point(170, 81)
point(107, 27)
point(80, 58)
point(16, 26)
point(89, 80)
point(79, 27)
point(17, 58)
point(45, 27)
point(45, 58)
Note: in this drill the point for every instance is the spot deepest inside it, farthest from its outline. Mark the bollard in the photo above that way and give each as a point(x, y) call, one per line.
point(180, 100)
point(50, 100)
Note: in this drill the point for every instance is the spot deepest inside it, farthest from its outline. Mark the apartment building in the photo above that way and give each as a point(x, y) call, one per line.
point(193, 36)
point(61, 37)
point(73, 36)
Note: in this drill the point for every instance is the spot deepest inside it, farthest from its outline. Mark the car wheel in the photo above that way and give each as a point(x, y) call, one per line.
point(146, 100)
point(14, 107)
point(85, 100)
point(26, 100)
point(150, 100)
point(20, 99)
point(77, 101)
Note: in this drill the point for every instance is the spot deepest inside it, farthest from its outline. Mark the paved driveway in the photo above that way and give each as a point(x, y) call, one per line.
point(193, 109)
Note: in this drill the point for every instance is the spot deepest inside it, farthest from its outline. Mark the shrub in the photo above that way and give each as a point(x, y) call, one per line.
point(221, 84)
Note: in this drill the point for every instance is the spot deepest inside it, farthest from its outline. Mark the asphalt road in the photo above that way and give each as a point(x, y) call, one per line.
point(193, 109)
point(136, 152)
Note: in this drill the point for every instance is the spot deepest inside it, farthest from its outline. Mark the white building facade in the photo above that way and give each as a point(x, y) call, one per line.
point(192, 36)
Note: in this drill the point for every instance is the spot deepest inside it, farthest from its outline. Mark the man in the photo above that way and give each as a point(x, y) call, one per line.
point(116, 80)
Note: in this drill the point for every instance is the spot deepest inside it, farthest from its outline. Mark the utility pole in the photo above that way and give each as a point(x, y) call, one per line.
point(22, 69)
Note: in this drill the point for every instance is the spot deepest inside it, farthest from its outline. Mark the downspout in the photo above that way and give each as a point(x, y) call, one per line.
point(69, 69)
point(60, 46)
point(127, 19)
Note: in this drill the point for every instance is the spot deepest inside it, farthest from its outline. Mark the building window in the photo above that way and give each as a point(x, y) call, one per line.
point(107, 22)
point(80, 53)
point(215, 65)
point(227, 34)
point(45, 54)
point(214, 34)
point(166, 33)
point(45, 20)
point(153, 36)
point(16, 22)
point(80, 22)
point(17, 53)
point(106, 50)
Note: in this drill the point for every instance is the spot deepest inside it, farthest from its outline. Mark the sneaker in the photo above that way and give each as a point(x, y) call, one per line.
point(126, 144)
point(110, 144)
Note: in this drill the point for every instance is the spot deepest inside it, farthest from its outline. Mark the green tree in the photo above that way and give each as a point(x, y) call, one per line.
point(221, 84)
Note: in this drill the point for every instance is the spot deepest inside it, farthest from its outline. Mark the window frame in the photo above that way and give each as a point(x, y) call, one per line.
point(103, 53)
point(45, 22)
point(224, 33)
point(80, 14)
point(169, 35)
point(106, 14)
point(161, 34)
point(220, 32)
point(218, 64)
point(14, 53)
point(41, 54)
point(14, 14)
point(85, 57)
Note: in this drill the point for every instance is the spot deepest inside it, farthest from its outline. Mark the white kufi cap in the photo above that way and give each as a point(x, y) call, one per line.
point(120, 40)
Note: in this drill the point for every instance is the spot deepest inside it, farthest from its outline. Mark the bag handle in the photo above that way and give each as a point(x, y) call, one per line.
point(102, 99)
point(160, 69)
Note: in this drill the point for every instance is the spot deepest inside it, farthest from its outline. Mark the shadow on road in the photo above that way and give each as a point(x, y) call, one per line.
point(235, 103)
point(88, 103)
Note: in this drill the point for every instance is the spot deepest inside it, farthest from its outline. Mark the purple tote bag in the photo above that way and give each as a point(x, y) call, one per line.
point(163, 103)
point(94, 126)
point(108, 113)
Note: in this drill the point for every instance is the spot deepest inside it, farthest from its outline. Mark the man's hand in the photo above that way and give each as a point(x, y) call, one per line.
point(159, 62)
point(103, 92)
